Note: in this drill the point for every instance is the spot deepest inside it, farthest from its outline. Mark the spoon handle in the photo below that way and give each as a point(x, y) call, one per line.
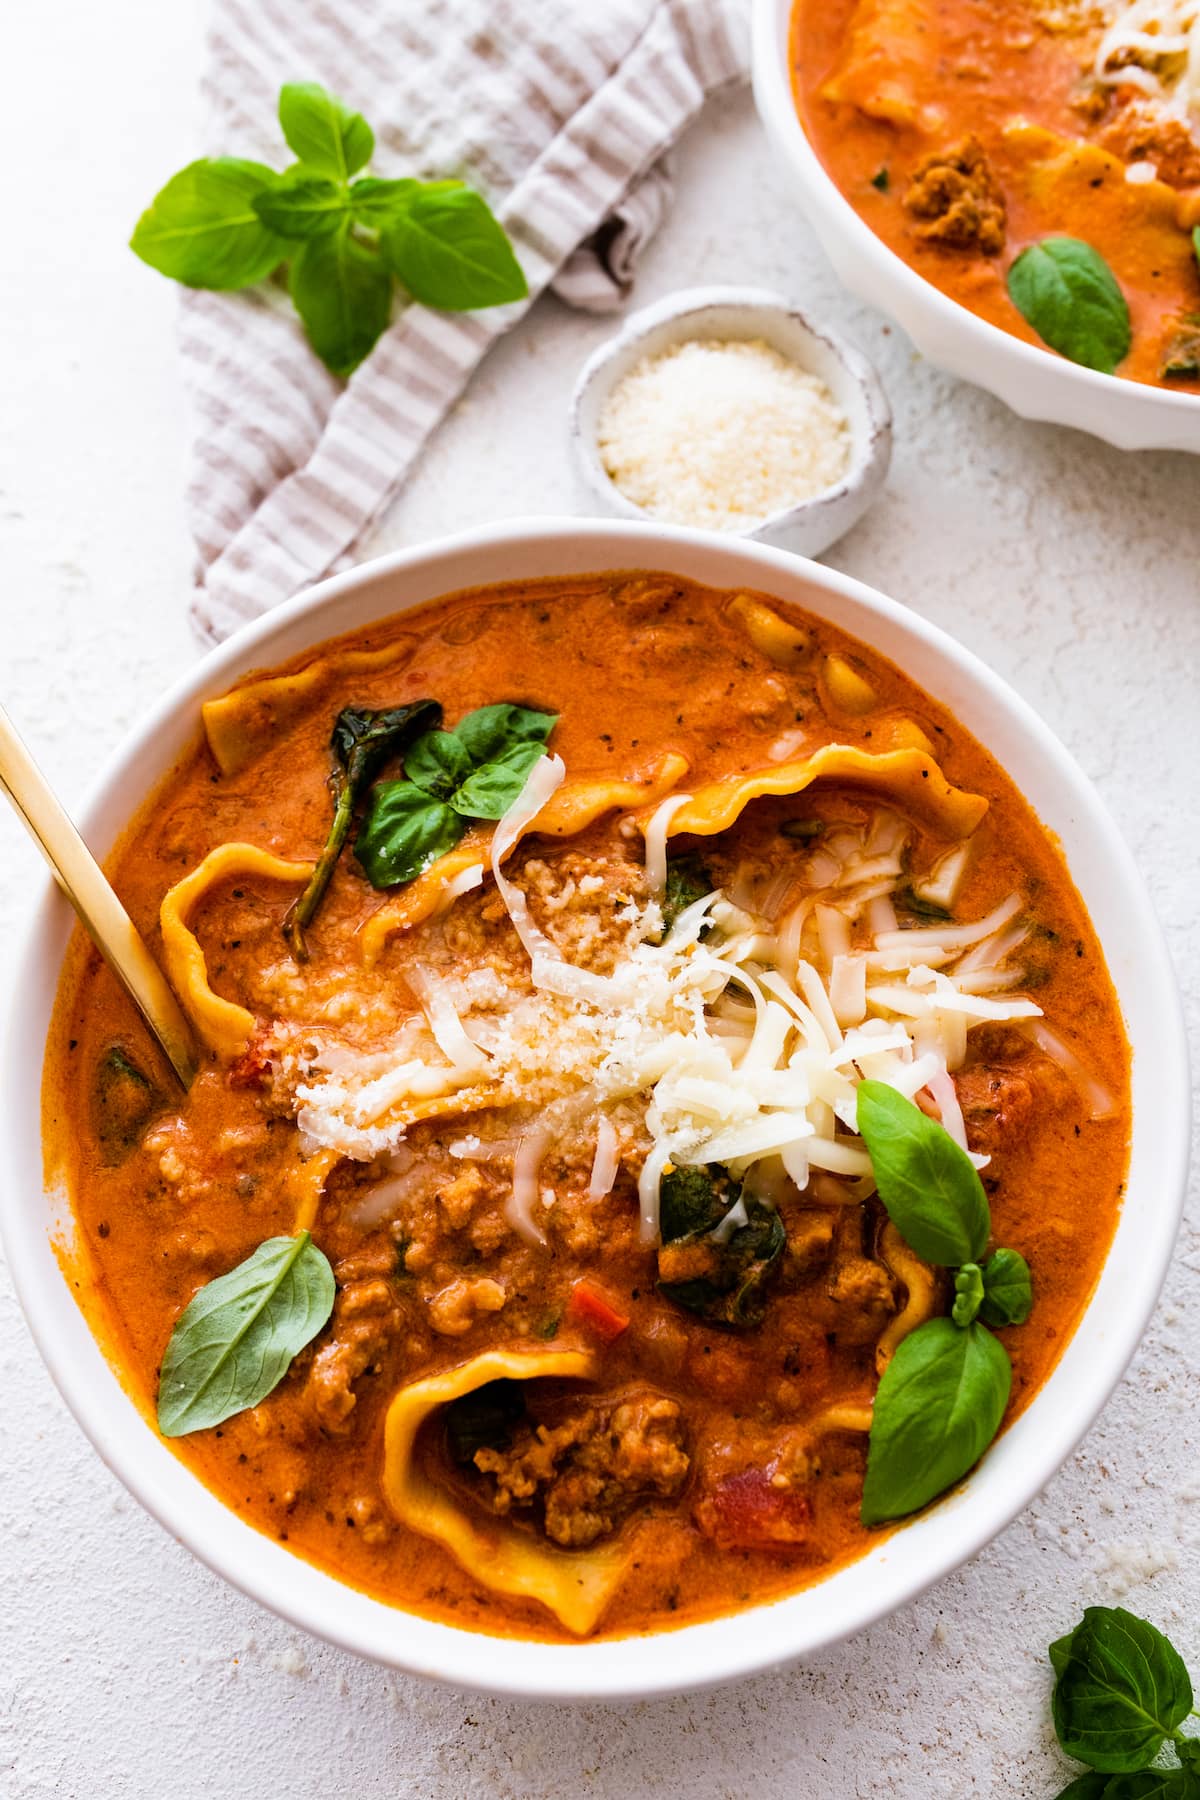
point(100, 912)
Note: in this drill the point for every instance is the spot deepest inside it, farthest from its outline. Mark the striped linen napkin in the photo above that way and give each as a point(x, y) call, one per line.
point(559, 111)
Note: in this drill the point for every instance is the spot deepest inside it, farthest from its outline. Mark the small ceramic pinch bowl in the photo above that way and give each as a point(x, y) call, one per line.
point(731, 313)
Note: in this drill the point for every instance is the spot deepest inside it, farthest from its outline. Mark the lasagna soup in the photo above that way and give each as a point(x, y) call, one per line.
point(1036, 160)
point(653, 1063)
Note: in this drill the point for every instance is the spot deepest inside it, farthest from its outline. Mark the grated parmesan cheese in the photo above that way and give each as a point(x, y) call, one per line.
point(722, 434)
point(737, 1038)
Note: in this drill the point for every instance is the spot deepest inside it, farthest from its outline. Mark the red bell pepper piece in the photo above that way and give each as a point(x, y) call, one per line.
point(589, 1306)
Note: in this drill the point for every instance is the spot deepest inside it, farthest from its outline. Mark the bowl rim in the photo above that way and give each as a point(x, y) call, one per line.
point(833, 218)
point(871, 443)
point(890, 1575)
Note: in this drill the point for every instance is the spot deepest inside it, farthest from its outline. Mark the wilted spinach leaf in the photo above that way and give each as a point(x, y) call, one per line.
point(362, 742)
point(909, 901)
point(687, 881)
point(484, 1419)
point(124, 1100)
point(705, 1266)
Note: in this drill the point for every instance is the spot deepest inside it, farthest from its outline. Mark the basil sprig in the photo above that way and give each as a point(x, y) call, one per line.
point(1007, 1289)
point(1000, 1293)
point(942, 1396)
point(475, 771)
point(1068, 293)
point(1121, 1692)
point(236, 1339)
point(362, 742)
point(226, 223)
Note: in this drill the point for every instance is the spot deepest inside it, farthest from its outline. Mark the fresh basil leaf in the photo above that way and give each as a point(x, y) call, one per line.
point(492, 789)
point(1122, 1692)
point(929, 1185)
point(450, 251)
point(1150, 1784)
point(374, 200)
point(303, 205)
point(503, 742)
point(403, 831)
point(481, 766)
point(490, 731)
point(1060, 1651)
point(202, 228)
point(968, 1292)
point(1068, 293)
point(1188, 1751)
point(1007, 1289)
point(1196, 241)
point(343, 293)
point(438, 763)
point(937, 1408)
point(235, 1340)
point(1090, 1786)
point(323, 132)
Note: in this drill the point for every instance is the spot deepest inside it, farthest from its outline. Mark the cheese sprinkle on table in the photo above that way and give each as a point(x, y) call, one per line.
point(722, 434)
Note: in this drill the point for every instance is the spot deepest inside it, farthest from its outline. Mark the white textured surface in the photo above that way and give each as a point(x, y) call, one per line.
point(125, 1668)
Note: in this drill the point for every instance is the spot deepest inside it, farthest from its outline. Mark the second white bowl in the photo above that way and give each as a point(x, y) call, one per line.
point(1035, 383)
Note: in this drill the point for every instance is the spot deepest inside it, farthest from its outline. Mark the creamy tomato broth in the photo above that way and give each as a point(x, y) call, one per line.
point(964, 132)
point(599, 1288)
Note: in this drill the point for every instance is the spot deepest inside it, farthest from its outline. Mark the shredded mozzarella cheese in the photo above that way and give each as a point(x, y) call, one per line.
point(1154, 46)
point(742, 1044)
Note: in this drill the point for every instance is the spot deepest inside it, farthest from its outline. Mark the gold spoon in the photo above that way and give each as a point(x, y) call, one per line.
point(101, 914)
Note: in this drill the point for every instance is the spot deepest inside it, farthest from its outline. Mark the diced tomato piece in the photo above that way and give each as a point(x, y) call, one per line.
point(589, 1306)
point(250, 1069)
point(747, 1512)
